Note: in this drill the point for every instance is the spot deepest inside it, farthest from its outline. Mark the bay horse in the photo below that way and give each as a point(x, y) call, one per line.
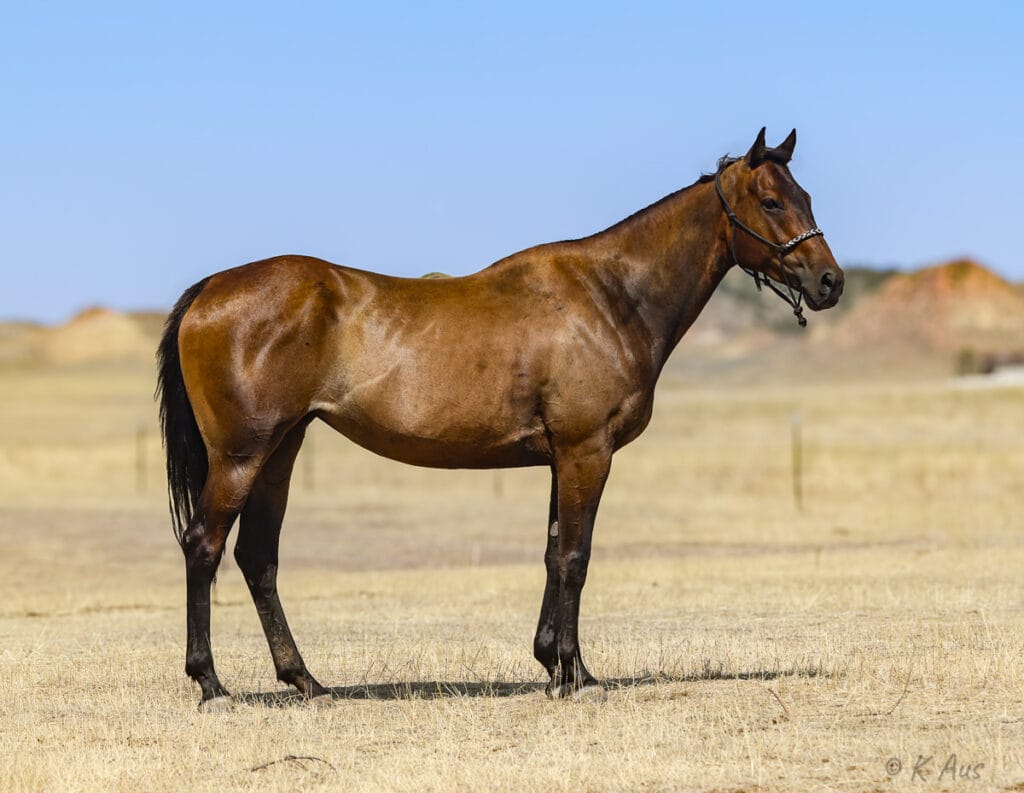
point(547, 357)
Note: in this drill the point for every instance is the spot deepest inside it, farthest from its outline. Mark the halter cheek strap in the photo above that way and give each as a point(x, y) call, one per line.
point(791, 295)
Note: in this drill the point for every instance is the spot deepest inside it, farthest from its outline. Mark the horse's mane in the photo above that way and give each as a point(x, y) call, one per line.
point(723, 162)
point(726, 160)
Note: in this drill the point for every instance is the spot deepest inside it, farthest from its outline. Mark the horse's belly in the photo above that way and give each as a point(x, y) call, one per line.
point(452, 440)
point(443, 397)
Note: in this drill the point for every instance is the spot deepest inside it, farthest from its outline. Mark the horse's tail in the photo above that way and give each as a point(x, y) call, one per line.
point(187, 463)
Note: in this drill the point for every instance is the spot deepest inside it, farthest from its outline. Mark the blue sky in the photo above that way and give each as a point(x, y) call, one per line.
point(147, 145)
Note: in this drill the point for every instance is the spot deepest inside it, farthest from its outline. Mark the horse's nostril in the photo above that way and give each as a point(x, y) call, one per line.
point(828, 283)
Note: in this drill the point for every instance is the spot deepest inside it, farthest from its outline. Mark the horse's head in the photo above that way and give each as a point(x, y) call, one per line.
point(772, 229)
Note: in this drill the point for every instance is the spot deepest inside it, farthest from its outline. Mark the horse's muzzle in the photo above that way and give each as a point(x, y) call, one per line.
point(822, 288)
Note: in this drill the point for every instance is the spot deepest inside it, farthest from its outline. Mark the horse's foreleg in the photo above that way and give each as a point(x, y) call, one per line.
point(545, 641)
point(203, 544)
point(581, 473)
point(257, 552)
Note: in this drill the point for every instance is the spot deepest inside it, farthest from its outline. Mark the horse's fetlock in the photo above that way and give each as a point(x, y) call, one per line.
point(291, 670)
point(290, 676)
point(196, 666)
point(568, 651)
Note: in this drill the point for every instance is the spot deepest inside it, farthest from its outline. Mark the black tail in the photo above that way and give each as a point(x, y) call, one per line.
point(187, 463)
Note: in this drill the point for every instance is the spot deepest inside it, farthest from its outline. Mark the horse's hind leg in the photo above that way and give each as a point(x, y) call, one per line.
point(227, 485)
point(256, 553)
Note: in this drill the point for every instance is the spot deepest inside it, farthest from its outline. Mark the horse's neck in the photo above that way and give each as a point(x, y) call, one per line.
point(670, 258)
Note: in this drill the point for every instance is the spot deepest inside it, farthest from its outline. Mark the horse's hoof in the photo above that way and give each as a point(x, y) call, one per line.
point(591, 692)
point(321, 701)
point(216, 705)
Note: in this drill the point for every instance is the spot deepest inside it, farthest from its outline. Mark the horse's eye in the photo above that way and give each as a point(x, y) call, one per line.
point(771, 204)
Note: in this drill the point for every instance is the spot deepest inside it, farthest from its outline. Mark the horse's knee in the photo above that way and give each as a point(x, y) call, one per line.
point(572, 568)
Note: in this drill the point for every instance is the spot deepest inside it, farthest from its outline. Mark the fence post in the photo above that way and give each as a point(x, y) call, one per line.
point(141, 472)
point(797, 458)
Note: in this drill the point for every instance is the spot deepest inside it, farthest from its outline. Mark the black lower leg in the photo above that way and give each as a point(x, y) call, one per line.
point(545, 640)
point(198, 653)
point(571, 672)
point(288, 663)
point(259, 538)
point(582, 472)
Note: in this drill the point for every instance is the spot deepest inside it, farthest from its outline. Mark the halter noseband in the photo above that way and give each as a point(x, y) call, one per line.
point(794, 296)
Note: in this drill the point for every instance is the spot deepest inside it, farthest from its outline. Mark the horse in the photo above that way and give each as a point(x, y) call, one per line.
point(548, 357)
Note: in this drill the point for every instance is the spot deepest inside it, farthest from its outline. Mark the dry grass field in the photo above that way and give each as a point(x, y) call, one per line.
point(746, 645)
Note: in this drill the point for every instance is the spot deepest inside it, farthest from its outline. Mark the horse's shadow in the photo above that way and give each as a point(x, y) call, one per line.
point(445, 689)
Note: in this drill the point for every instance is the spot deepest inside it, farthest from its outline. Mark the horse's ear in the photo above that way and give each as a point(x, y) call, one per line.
point(757, 152)
point(784, 150)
